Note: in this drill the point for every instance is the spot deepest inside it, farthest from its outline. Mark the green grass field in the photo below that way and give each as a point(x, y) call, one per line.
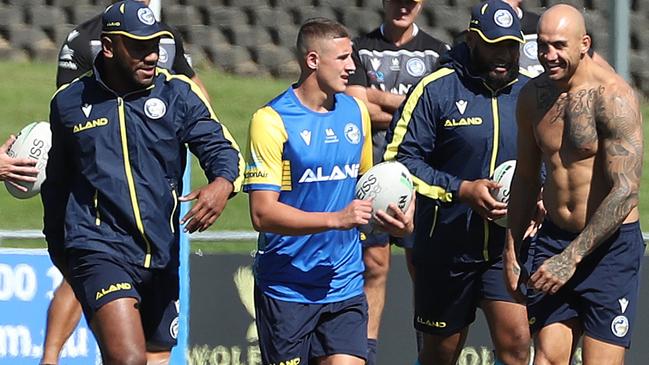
point(25, 98)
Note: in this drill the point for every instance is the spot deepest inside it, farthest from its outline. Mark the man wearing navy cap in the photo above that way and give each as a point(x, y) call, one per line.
point(453, 129)
point(114, 174)
point(83, 43)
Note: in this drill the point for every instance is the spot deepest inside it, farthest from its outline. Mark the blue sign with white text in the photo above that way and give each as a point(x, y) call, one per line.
point(27, 282)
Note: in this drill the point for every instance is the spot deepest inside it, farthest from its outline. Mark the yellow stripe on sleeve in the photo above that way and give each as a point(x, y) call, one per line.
point(401, 128)
point(406, 115)
point(431, 191)
point(65, 86)
point(366, 154)
point(266, 138)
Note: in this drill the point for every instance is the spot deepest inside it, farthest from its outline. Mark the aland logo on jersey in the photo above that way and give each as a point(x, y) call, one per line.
point(462, 122)
point(99, 122)
point(336, 173)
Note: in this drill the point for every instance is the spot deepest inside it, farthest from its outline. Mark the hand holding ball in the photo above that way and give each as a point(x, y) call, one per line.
point(33, 142)
point(386, 183)
point(503, 175)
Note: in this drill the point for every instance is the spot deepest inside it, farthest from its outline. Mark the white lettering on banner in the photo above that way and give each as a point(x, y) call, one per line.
point(19, 282)
point(472, 356)
point(576, 358)
point(223, 355)
point(26, 282)
point(6, 282)
point(484, 356)
point(15, 341)
point(54, 274)
point(245, 283)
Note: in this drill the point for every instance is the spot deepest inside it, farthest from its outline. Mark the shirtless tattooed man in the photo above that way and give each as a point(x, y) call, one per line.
point(583, 122)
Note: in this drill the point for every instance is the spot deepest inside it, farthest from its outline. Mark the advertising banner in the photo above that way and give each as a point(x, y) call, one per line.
point(222, 327)
point(27, 282)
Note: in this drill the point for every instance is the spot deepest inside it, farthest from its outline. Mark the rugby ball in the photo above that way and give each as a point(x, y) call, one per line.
point(33, 142)
point(383, 184)
point(503, 175)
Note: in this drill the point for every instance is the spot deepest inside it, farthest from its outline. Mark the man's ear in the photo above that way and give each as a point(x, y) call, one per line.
point(107, 46)
point(312, 60)
point(586, 43)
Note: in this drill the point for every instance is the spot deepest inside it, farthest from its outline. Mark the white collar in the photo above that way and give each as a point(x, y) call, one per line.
point(415, 30)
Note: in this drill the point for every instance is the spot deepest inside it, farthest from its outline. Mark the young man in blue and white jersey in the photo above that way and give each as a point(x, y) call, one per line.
point(307, 148)
point(454, 128)
point(119, 137)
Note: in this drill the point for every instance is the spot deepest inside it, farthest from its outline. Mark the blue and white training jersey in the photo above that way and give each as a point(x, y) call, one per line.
point(313, 160)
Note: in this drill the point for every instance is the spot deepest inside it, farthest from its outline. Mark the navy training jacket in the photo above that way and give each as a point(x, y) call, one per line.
point(453, 127)
point(116, 164)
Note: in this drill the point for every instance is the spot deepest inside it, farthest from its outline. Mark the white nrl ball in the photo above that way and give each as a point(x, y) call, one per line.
point(503, 174)
point(33, 142)
point(386, 183)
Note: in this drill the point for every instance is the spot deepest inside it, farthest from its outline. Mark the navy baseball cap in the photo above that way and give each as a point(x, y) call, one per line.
point(496, 21)
point(132, 19)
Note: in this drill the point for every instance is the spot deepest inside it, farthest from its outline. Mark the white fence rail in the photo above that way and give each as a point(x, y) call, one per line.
point(201, 236)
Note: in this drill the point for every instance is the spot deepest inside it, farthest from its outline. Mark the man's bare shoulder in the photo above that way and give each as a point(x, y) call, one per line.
point(614, 92)
point(614, 86)
point(536, 97)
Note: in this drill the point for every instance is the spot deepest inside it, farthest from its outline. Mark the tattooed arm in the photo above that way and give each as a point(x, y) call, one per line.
point(619, 129)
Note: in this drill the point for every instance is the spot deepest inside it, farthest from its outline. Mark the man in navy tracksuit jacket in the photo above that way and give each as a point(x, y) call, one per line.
point(452, 131)
point(113, 182)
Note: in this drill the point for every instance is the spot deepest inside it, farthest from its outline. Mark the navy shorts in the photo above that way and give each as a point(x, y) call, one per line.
point(382, 239)
point(98, 278)
point(295, 333)
point(603, 292)
point(447, 295)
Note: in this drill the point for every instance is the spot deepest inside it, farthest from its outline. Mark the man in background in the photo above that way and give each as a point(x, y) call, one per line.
point(389, 61)
point(528, 60)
